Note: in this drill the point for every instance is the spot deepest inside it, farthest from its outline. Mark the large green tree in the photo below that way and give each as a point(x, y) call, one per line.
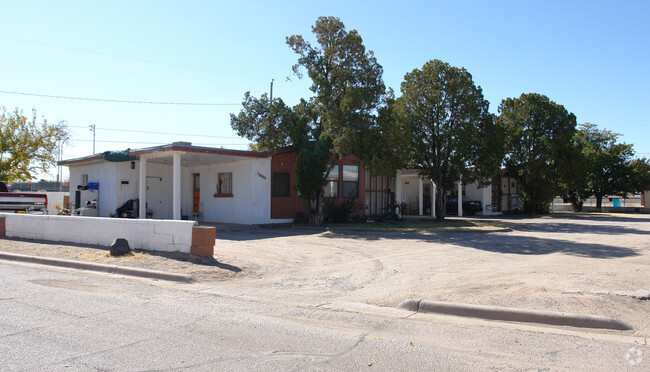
point(539, 147)
point(346, 82)
point(640, 175)
point(27, 147)
point(608, 163)
point(339, 118)
point(452, 136)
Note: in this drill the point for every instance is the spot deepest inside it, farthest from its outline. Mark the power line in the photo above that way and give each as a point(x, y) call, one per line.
point(152, 132)
point(120, 100)
point(159, 143)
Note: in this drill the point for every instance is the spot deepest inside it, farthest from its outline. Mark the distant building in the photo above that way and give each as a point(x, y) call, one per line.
point(35, 186)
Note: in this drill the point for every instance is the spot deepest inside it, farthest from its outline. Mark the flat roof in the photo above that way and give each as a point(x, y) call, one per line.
point(176, 146)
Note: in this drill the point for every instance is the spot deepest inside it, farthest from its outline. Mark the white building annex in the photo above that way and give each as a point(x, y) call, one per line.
point(417, 194)
point(177, 181)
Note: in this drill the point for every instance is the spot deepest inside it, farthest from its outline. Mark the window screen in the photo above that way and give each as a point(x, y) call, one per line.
point(281, 184)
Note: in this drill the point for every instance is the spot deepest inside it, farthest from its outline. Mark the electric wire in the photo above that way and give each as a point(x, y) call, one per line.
point(153, 132)
point(119, 100)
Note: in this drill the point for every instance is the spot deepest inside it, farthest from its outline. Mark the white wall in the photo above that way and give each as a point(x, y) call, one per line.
point(250, 204)
point(251, 184)
point(153, 235)
point(160, 189)
point(54, 198)
point(472, 192)
point(105, 174)
point(410, 189)
point(125, 192)
point(261, 191)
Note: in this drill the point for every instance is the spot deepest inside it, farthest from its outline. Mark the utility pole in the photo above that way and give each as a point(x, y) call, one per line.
point(271, 95)
point(93, 129)
point(59, 176)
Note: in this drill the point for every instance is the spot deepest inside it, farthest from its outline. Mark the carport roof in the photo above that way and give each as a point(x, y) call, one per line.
point(192, 155)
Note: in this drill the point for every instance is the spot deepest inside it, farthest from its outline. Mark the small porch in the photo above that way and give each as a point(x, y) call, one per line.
point(205, 184)
point(417, 193)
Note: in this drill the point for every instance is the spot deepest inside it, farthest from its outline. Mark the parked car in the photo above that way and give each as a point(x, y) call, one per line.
point(470, 207)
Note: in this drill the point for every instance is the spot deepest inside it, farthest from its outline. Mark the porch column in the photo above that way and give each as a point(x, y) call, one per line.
point(176, 187)
point(142, 189)
point(433, 199)
point(460, 198)
point(398, 189)
point(487, 198)
point(420, 197)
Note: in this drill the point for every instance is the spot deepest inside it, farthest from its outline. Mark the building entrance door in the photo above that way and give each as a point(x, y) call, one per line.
point(196, 199)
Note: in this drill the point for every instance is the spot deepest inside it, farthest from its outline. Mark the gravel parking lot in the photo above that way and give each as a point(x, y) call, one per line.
point(586, 264)
point(579, 263)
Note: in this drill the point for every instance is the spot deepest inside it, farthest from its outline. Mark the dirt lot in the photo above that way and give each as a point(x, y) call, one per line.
point(590, 264)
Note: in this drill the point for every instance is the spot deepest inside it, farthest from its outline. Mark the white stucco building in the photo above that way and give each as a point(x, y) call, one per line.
point(178, 181)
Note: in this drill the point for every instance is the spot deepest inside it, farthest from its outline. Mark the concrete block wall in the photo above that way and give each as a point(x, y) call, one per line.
point(152, 235)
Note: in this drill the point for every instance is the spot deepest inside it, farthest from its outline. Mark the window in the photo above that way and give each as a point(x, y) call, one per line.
point(281, 184)
point(332, 185)
point(224, 184)
point(350, 181)
point(84, 180)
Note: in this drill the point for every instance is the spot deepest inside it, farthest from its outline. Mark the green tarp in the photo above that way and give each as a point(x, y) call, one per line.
point(118, 156)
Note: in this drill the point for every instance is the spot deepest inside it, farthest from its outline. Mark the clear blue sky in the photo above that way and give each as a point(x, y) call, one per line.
point(590, 56)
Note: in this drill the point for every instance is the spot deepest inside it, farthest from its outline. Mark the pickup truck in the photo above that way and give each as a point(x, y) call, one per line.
point(20, 202)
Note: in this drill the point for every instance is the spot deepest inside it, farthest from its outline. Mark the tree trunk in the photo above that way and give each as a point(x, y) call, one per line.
point(315, 207)
point(441, 205)
point(599, 203)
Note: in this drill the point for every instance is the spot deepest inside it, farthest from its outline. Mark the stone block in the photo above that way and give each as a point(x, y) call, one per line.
point(120, 246)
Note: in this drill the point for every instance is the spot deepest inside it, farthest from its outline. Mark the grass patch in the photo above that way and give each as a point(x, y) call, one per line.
point(103, 256)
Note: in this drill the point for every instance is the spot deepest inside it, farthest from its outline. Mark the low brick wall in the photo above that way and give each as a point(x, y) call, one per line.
point(152, 235)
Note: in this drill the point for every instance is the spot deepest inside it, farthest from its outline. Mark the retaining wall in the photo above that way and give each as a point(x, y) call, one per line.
point(152, 235)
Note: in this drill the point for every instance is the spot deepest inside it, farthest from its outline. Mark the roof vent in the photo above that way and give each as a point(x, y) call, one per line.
point(181, 143)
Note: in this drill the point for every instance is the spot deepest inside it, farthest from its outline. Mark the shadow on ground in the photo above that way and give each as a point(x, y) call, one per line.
point(196, 260)
point(177, 256)
point(578, 228)
point(504, 243)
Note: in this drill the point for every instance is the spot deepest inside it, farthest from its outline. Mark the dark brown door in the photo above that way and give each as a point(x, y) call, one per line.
point(197, 192)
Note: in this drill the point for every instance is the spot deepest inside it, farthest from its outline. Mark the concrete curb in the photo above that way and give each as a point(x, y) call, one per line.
point(110, 269)
point(515, 315)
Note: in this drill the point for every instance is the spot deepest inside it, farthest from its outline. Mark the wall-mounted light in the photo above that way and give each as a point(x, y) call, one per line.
point(132, 165)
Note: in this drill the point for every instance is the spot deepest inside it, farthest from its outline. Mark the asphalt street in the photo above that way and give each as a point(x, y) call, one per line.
point(59, 319)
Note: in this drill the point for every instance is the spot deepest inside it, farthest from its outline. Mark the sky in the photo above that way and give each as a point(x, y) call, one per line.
point(592, 57)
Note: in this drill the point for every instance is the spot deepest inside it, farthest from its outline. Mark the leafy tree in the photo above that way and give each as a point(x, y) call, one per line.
point(452, 134)
point(348, 92)
point(640, 175)
point(608, 163)
point(27, 147)
point(385, 146)
point(271, 125)
point(539, 146)
point(346, 82)
point(311, 165)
